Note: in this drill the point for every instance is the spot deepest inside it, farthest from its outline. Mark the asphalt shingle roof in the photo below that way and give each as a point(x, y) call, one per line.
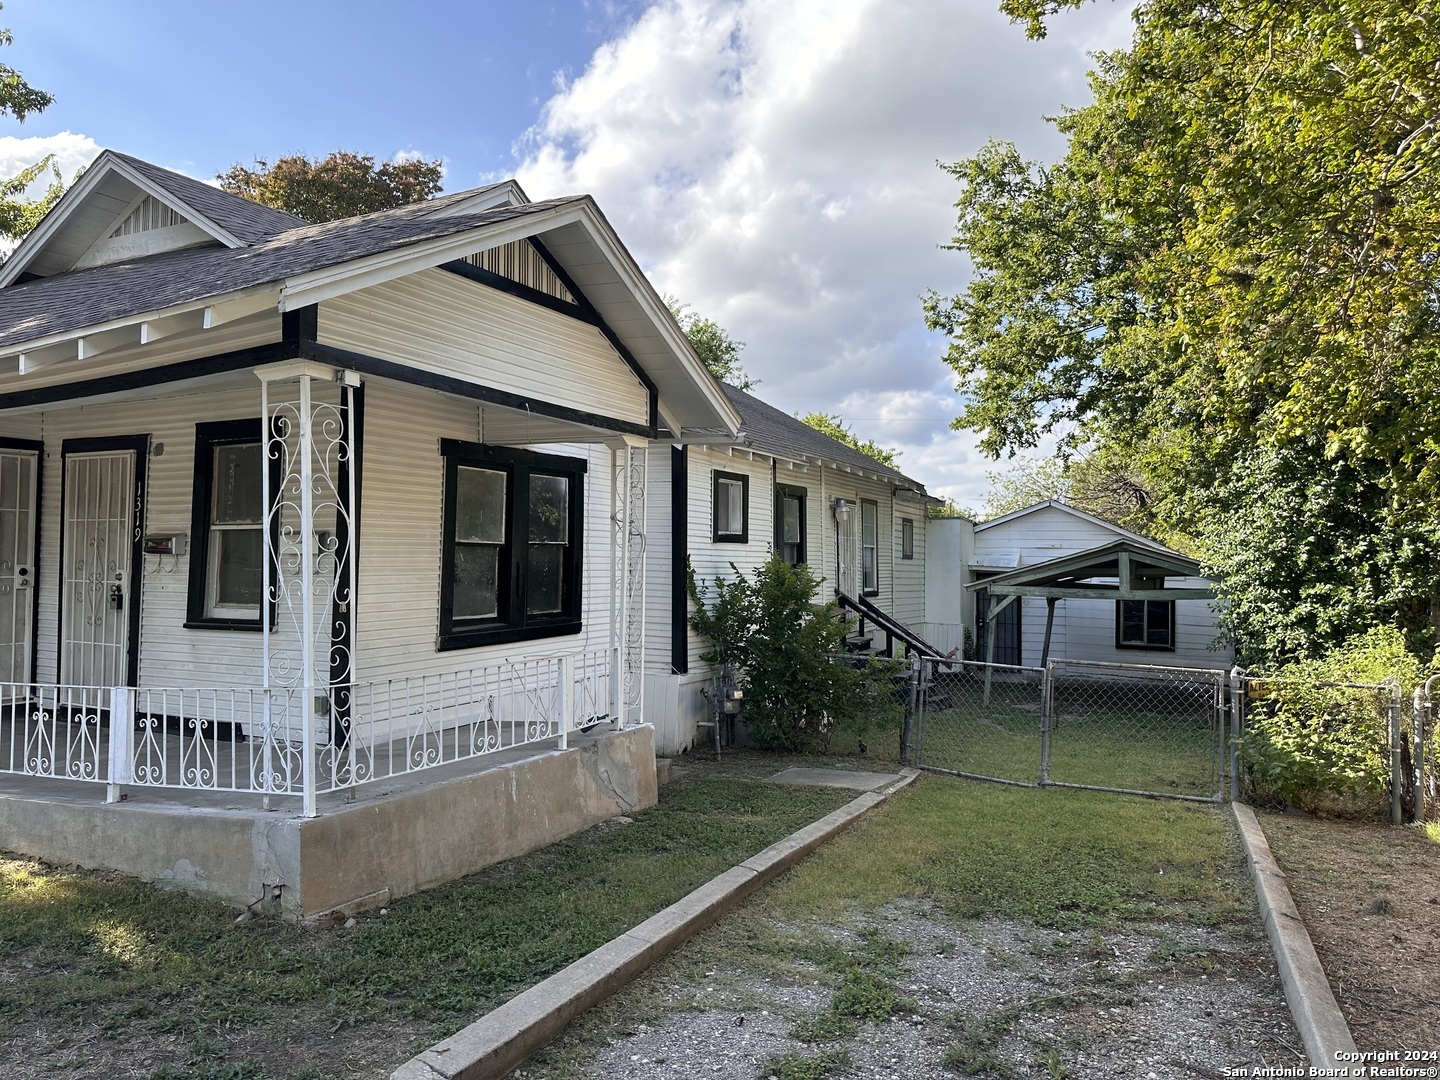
point(73, 301)
point(770, 430)
point(247, 221)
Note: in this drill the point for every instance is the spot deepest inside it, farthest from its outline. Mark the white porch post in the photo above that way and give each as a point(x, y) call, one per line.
point(630, 459)
point(305, 441)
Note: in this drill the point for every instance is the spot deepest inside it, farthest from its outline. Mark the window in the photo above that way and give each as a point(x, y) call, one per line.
point(1145, 624)
point(869, 547)
point(511, 547)
point(790, 523)
point(907, 538)
point(731, 503)
point(227, 551)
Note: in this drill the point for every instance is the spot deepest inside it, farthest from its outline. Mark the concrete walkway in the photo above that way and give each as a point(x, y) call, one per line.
point(1322, 1027)
point(500, 1040)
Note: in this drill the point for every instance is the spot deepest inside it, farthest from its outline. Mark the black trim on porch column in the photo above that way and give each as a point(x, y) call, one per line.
point(679, 560)
point(347, 539)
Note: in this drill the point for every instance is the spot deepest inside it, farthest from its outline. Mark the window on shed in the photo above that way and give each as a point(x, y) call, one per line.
point(869, 546)
point(1145, 624)
point(731, 508)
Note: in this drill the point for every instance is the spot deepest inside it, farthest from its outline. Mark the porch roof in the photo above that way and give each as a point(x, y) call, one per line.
point(1119, 570)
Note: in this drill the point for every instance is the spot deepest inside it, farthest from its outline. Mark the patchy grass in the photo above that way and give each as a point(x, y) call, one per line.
point(100, 964)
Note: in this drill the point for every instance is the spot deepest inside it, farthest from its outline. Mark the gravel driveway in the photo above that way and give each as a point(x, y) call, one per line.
point(990, 998)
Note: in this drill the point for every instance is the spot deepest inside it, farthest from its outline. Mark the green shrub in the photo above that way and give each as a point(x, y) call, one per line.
point(769, 632)
point(1313, 743)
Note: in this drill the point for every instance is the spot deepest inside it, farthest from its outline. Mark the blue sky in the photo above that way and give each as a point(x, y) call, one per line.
point(771, 162)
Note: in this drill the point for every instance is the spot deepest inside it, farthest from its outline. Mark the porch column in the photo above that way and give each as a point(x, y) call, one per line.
point(307, 486)
point(630, 460)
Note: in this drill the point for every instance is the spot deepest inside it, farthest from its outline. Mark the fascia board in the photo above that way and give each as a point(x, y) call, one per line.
point(261, 296)
point(302, 290)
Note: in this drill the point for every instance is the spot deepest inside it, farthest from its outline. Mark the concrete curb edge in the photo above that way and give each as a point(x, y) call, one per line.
point(502, 1039)
point(1317, 1017)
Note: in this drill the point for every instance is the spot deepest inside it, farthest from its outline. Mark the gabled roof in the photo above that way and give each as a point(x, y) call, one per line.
point(771, 431)
point(262, 260)
point(1056, 504)
point(1124, 561)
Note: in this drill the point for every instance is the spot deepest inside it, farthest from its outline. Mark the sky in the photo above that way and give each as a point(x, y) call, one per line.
point(771, 163)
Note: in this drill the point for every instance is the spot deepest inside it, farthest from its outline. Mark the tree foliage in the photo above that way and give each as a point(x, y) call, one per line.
point(837, 429)
point(18, 214)
point(719, 352)
point(339, 186)
point(1235, 259)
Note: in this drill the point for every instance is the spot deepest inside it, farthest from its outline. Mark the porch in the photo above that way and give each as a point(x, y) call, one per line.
point(367, 846)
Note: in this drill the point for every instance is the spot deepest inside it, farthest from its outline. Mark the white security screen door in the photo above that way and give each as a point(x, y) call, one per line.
point(847, 542)
point(17, 568)
point(96, 587)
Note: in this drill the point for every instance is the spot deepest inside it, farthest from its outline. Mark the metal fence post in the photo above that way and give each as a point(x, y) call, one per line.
point(1237, 704)
point(1047, 712)
point(1396, 768)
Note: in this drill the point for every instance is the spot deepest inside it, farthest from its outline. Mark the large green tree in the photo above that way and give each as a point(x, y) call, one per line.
point(1234, 264)
point(719, 352)
point(339, 186)
point(19, 213)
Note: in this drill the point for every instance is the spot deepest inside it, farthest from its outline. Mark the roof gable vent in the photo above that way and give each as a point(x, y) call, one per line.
point(151, 214)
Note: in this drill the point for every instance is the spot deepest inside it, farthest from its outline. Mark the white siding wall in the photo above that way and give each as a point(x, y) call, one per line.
point(1085, 629)
point(908, 574)
point(443, 323)
point(400, 537)
point(170, 655)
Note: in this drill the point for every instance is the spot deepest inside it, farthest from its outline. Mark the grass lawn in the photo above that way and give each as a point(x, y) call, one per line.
point(101, 974)
point(1165, 746)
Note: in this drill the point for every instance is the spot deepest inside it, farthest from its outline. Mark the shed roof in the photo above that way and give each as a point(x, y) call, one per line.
point(1109, 571)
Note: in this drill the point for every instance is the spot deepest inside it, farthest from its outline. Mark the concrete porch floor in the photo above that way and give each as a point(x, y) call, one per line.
point(370, 844)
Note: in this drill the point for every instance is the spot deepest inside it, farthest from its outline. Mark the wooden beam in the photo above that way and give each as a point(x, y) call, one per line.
point(247, 304)
point(1124, 571)
point(185, 322)
point(1101, 592)
point(33, 361)
point(108, 340)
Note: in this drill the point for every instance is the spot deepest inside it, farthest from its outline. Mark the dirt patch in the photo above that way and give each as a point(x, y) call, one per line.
point(988, 997)
point(1370, 897)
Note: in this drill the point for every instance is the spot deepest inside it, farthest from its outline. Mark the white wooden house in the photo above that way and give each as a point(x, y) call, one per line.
point(729, 501)
point(290, 509)
point(968, 561)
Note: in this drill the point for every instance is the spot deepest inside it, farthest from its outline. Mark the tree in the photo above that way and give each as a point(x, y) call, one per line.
point(1234, 260)
point(719, 352)
point(18, 215)
point(339, 186)
point(836, 428)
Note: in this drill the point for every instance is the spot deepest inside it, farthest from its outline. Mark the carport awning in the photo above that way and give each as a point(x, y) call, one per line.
point(1119, 570)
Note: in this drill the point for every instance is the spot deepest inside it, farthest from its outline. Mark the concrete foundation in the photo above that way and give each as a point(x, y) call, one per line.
point(396, 837)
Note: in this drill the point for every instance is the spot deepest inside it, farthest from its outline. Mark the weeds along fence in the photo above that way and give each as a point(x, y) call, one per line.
point(1189, 733)
point(1352, 748)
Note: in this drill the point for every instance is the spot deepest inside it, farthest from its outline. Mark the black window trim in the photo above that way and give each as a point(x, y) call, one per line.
point(875, 505)
point(513, 623)
point(208, 436)
point(783, 491)
point(716, 476)
point(1144, 646)
point(907, 538)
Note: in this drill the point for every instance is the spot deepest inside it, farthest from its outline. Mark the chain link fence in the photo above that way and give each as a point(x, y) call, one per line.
point(979, 720)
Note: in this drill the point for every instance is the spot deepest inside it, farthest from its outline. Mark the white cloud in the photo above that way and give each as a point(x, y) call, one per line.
point(772, 163)
point(72, 153)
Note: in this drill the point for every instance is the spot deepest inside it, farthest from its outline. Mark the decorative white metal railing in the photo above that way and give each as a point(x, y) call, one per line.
point(255, 739)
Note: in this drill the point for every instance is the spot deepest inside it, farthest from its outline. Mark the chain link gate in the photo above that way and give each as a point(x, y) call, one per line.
point(1127, 728)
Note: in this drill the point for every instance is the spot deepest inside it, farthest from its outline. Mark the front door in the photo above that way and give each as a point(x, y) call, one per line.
point(100, 515)
point(18, 469)
point(847, 546)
